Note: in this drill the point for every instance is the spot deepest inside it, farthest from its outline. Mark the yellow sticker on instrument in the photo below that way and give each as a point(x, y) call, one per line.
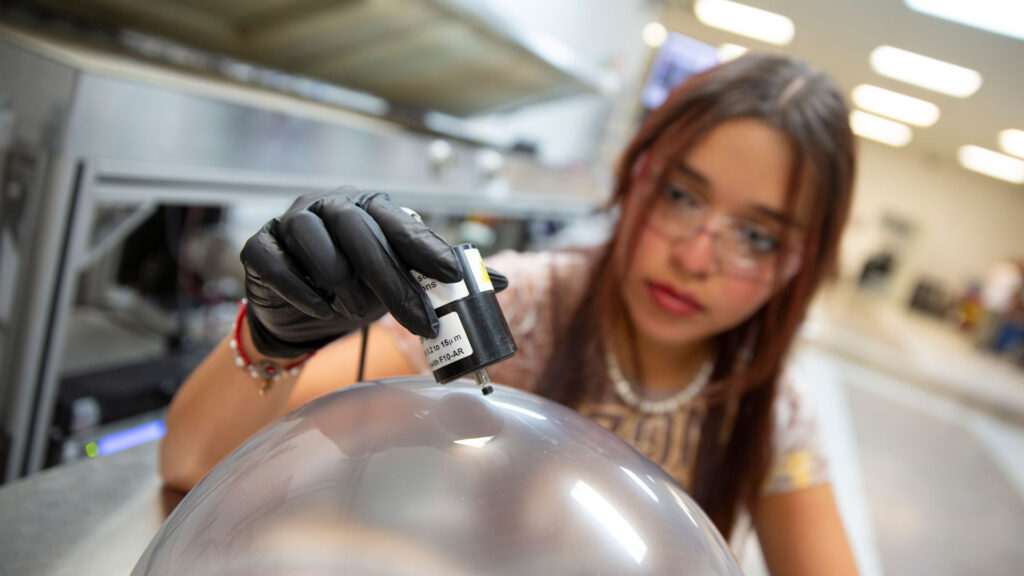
point(483, 273)
point(476, 265)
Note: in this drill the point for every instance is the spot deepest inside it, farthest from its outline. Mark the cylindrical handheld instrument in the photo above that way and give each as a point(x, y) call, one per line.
point(473, 333)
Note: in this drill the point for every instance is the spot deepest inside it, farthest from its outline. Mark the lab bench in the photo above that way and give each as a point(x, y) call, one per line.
point(91, 517)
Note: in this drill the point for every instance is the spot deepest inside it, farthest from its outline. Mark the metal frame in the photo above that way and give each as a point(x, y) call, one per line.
point(131, 137)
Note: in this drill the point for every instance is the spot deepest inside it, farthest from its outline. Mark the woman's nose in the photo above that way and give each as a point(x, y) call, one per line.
point(698, 253)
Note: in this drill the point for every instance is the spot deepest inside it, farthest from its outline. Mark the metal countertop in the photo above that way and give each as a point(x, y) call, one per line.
point(93, 517)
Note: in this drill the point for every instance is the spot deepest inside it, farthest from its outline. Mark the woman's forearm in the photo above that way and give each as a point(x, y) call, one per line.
point(219, 407)
point(216, 409)
point(801, 533)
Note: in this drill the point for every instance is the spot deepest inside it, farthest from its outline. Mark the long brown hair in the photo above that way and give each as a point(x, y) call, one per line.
point(806, 106)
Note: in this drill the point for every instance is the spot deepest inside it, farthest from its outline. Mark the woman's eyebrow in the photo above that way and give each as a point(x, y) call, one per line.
point(777, 215)
point(690, 172)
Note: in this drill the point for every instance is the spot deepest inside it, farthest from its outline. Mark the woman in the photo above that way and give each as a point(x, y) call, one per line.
point(732, 197)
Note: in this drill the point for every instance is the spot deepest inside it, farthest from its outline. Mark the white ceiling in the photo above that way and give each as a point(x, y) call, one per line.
point(839, 35)
point(463, 67)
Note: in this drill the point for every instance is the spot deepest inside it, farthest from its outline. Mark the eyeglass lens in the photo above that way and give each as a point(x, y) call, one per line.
point(744, 248)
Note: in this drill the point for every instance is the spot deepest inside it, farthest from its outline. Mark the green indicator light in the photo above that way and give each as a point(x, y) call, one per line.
point(92, 449)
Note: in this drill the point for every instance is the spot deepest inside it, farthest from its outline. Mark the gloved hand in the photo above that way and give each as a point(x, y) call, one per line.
point(335, 262)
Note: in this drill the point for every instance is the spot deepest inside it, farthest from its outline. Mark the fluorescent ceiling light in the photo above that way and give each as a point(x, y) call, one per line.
point(745, 21)
point(643, 485)
point(1012, 141)
point(479, 442)
point(895, 105)
point(992, 163)
point(518, 409)
point(879, 129)
point(727, 52)
point(610, 518)
point(1000, 16)
point(654, 34)
point(925, 72)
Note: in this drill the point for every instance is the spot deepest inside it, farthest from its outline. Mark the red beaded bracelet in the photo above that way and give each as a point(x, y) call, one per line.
point(265, 370)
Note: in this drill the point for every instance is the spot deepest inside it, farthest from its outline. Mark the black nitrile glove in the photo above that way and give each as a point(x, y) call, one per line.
point(335, 262)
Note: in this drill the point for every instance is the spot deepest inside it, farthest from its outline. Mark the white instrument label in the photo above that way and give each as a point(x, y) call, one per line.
point(451, 344)
point(439, 292)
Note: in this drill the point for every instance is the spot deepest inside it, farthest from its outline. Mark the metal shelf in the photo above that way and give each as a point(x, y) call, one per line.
point(452, 56)
point(101, 131)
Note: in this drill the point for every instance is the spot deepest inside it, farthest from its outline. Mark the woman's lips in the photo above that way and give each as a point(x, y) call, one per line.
point(675, 302)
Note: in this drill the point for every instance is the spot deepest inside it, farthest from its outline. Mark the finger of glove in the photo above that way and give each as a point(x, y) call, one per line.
point(267, 263)
point(306, 238)
point(377, 265)
point(306, 200)
point(414, 243)
point(498, 280)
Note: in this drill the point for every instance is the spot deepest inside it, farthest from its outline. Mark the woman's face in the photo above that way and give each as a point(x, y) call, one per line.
point(710, 239)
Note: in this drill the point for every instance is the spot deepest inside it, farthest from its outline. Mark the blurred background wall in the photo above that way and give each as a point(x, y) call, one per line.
point(960, 223)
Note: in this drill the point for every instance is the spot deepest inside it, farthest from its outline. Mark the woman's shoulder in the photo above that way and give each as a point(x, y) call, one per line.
point(793, 403)
point(535, 279)
point(543, 288)
point(531, 264)
point(527, 305)
point(799, 459)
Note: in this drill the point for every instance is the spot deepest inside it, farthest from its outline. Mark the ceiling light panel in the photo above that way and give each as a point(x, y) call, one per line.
point(727, 52)
point(925, 71)
point(1004, 17)
point(745, 20)
point(880, 129)
point(895, 105)
point(992, 163)
point(1012, 141)
point(654, 34)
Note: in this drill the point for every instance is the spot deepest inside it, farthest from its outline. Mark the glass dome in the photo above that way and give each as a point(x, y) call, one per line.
point(405, 477)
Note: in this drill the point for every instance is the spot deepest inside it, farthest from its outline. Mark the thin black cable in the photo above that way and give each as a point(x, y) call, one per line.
point(365, 335)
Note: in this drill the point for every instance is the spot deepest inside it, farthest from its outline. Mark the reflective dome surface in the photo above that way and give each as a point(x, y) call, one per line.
point(406, 477)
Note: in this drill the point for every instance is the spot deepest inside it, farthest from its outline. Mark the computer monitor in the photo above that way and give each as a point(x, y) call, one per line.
point(676, 60)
